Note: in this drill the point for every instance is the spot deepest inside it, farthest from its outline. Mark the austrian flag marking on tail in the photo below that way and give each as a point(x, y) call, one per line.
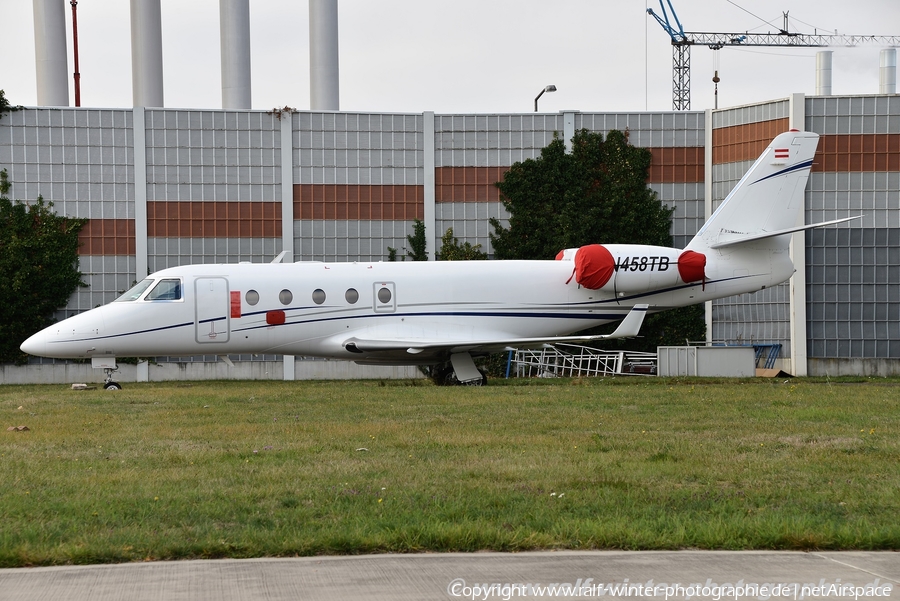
point(782, 153)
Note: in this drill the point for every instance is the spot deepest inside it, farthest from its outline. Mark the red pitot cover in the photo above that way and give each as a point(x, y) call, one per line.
point(692, 266)
point(594, 266)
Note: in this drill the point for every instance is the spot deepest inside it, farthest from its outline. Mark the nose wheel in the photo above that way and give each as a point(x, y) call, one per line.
point(108, 384)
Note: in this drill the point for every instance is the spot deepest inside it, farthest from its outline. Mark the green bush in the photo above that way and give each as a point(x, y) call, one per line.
point(38, 268)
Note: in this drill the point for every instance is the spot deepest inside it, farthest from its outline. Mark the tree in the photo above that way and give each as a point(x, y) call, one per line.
point(596, 193)
point(38, 268)
point(417, 242)
point(5, 106)
point(452, 250)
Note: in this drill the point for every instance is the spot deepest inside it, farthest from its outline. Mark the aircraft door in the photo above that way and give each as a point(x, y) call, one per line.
point(212, 310)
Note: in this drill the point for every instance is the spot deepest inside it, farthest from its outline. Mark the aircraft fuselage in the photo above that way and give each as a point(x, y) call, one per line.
point(314, 308)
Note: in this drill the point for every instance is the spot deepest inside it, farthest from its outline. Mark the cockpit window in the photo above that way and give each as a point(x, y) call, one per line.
point(168, 290)
point(136, 291)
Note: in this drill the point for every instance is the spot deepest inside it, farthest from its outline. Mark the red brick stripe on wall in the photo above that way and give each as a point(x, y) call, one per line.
point(837, 153)
point(107, 237)
point(745, 142)
point(858, 152)
point(476, 184)
point(676, 165)
point(467, 184)
point(213, 219)
point(358, 201)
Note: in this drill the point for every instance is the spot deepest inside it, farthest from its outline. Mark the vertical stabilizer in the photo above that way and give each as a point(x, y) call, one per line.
point(769, 198)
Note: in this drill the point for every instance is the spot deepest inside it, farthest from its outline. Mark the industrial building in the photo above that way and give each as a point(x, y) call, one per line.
point(164, 187)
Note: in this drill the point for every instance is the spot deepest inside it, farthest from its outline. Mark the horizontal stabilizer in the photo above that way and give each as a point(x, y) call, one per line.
point(791, 230)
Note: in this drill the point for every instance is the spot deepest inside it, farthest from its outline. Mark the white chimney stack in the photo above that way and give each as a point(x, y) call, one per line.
point(887, 76)
point(823, 72)
point(146, 53)
point(234, 38)
point(324, 86)
point(51, 60)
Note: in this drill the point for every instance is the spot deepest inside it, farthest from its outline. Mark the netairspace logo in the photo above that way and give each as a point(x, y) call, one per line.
point(710, 590)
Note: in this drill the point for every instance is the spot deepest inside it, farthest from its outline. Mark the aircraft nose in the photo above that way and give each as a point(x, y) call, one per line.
point(68, 339)
point(35, 344)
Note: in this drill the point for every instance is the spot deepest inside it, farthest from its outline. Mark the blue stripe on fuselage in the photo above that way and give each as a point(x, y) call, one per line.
point(522, 314)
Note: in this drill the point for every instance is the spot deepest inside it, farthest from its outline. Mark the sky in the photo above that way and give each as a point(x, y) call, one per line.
point(463, 56)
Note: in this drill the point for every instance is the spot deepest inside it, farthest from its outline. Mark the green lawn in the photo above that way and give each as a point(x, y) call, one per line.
point(247, 469)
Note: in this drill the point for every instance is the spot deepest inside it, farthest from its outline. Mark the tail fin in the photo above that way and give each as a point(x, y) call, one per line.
point(768, 201)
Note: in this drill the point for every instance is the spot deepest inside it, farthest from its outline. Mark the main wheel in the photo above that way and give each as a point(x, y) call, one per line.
point(440, 373)
point(112, 386)
point(451, 380)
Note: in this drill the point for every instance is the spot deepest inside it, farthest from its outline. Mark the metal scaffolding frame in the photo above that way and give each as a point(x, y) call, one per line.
point(573, 361)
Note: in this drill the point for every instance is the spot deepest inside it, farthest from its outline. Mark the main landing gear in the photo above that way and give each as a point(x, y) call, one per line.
point(443, 374)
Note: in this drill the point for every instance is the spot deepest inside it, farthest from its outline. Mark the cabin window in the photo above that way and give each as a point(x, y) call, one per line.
point(318, 296)
point(384, 296)
point(285, 296)
point(252, 297)
point(166, 290)
point(135, 292)
point(351, 295)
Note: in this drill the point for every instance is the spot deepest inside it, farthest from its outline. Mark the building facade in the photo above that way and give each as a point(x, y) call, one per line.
point(165, 187)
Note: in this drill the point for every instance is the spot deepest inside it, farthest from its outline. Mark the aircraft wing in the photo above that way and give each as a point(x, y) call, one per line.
point(629, 328)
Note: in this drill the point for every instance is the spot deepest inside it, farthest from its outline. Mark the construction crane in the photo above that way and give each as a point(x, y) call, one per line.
point(683, 40)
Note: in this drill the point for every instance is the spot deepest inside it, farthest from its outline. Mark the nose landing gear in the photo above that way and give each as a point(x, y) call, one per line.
point(108, 365)
point(108, 384)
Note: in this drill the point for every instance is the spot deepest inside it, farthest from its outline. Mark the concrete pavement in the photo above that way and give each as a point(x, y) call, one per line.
point(593, 574)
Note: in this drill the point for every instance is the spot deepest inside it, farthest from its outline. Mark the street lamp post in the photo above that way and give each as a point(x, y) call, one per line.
point(550, 88)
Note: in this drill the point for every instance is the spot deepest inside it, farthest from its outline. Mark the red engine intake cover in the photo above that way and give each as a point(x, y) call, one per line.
point(594, 266)
point(692, 266)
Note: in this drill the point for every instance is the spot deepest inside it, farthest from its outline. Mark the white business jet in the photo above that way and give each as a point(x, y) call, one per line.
point(431, 313)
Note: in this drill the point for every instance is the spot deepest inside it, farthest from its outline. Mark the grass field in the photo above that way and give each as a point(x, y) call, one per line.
point(246, 469)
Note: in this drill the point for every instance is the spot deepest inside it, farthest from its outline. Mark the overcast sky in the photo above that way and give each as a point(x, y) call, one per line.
point(463, 56)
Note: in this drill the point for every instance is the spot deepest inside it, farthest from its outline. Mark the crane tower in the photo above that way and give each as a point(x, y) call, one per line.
point(682, 42)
